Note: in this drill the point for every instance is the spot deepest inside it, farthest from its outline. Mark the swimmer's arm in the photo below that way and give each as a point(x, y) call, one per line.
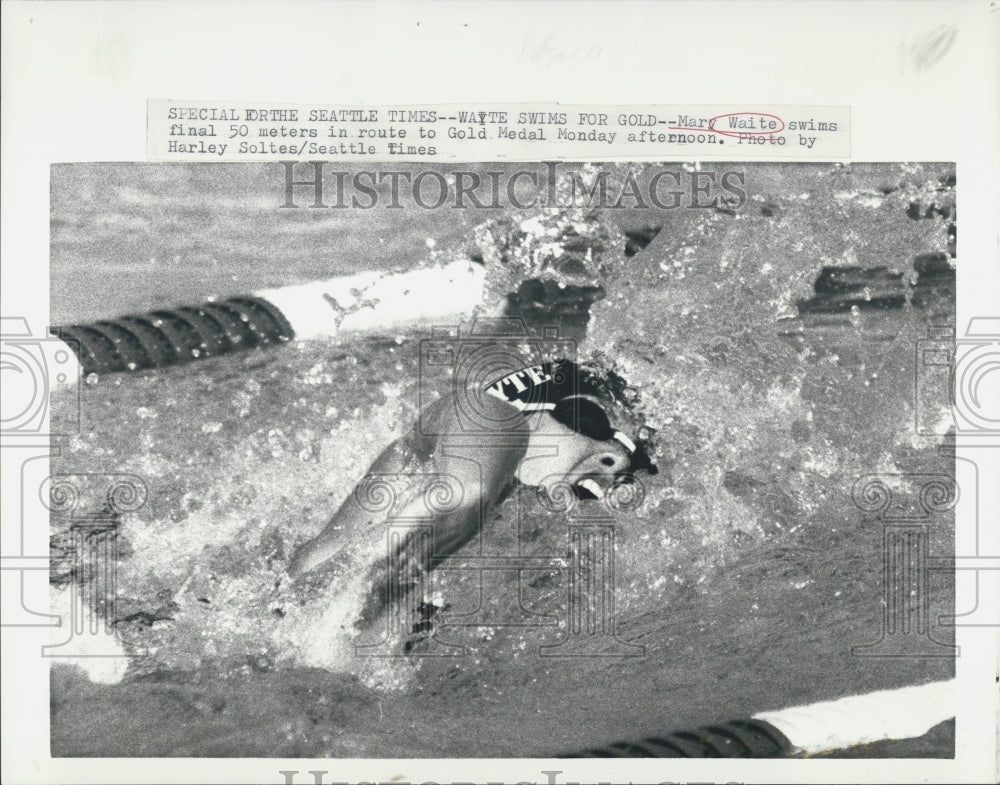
point(417, 444)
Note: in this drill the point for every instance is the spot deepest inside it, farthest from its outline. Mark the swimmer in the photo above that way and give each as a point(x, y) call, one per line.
point(554, 403)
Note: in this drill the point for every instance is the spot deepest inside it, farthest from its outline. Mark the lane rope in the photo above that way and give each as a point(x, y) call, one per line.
point(885, 715)
point(366, 303)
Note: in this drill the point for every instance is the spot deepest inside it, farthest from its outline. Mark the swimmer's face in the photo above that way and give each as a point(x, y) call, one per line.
point(577, 457)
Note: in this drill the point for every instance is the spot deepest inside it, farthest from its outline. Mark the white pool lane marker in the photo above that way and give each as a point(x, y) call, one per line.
point(379, 302)
point(382, 303)
point(861, 719)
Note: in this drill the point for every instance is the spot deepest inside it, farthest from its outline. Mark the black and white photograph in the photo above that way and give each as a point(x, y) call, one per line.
point(607, 465)
point(484, 392)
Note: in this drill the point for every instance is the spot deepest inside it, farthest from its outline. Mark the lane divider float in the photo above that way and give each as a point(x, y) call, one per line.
point(884, 715)
point(365, 303)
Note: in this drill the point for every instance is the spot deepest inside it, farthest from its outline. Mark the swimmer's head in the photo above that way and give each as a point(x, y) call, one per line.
point(575, 402)
point(592, 454)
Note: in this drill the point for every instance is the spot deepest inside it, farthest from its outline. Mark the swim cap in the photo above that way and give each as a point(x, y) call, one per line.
point(537, 387)
point(575, 397)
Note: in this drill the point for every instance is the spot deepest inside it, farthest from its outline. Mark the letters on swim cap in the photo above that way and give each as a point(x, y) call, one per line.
point(526, 389)
point(540, 387)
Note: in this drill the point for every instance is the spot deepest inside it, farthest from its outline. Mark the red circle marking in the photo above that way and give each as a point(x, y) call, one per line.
point(737, 132)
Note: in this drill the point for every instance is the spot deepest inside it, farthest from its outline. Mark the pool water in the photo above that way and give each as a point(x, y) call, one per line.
point(741, 581)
